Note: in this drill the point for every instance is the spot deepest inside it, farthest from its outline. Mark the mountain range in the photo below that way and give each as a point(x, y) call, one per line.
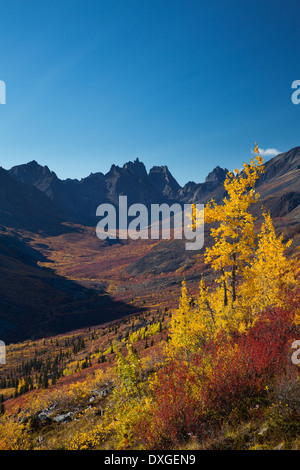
point(79, 199)
point(42, 216)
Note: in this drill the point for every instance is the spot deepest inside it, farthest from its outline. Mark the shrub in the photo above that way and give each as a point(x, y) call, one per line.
point(225, 381)
point(177, 409)
point(14, 436)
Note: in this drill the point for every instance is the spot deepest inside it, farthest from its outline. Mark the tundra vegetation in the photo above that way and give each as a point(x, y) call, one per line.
point(216, 373)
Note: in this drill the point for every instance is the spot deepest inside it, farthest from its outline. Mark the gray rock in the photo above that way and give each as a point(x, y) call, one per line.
point(64, 418)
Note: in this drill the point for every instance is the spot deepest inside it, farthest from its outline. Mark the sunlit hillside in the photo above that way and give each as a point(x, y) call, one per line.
point(212, 368)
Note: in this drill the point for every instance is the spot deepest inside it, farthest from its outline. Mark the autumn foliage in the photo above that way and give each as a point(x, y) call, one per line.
point(230, 346)
point(227, 380)
point(224, 358)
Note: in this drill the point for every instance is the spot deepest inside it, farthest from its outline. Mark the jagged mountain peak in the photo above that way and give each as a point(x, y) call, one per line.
point(217, 175)
point(164, 181)
point(31, 172)
point(136, 167)
point(163, 169)
point(80, 198)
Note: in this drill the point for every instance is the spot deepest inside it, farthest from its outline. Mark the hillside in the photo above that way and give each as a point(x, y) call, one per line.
point(23, 206)
point(209, 365)
point(85, 281)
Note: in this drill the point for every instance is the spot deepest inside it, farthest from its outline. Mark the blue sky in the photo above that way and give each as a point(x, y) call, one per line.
point(189, 84)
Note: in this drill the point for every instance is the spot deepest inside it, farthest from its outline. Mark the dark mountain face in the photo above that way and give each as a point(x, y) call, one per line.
point(202, 192)
point(281, 164)
point(34, 173)
point(137, 168)
point(281, 173)
point(132, 181)
point(23, 206)
point(79, 199)
point(217, 176)
point(164, 182)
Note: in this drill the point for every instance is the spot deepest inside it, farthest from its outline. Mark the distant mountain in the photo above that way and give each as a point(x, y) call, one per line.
point(132, 181)
point(74, 197)
point(80, 198)
point(284, 165)
point(279, 185)
point(77, 200)
point(36, 204)
point(161, 178)
point(202, 192)
point(23, 206)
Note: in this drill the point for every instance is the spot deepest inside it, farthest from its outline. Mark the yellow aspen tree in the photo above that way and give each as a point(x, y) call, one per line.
point(179, 324)
point(251, 269)
point(192, 325)
point(269, 274)
point(234, 237)
point(194, 217)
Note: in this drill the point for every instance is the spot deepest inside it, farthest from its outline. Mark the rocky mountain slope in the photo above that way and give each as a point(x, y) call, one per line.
point(56, 275)
point(79, 199)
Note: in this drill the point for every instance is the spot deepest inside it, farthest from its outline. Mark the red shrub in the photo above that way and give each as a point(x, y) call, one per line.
point(268, 344)
point(189, 401)
point(242, 367)
point(177, 411)
point(231, 383)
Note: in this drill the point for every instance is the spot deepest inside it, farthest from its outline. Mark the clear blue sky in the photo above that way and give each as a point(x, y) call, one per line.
point(189, 84)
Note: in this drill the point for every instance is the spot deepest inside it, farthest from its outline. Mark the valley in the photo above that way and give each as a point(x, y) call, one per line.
point(71, 303)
